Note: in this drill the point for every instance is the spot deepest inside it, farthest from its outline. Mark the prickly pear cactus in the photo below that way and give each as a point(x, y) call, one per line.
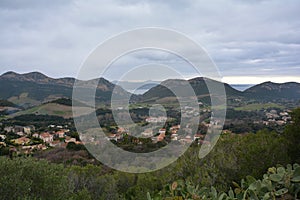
point(277, 183)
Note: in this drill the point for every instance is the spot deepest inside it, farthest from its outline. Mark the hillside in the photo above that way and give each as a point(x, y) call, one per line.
point(261, 93)
point(5, 103)
point(55, 109)
point(32, 89)
point(269, 91)
point(68, 102)
point(198, 84)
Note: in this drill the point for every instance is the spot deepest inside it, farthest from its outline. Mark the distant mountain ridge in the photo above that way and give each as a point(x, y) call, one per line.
point(164, 90)
point(269, 91)
point(34, 88)
point(264, 92)
point(36, 77)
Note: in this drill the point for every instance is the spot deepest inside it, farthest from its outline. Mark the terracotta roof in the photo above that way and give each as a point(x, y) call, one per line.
point(44, 135)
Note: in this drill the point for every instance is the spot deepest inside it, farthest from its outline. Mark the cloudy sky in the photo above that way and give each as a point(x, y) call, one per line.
point(250, 41)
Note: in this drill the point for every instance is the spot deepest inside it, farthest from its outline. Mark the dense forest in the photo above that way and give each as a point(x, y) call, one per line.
point(235, 164)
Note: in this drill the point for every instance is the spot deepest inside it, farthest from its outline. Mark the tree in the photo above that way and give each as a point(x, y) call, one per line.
point(75, 147)
point(30, 179)
point(292, 134)
point(4, 151)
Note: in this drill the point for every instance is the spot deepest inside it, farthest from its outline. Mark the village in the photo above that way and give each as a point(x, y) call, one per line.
point(28, 140)
point(161, 130)
point(280, 118)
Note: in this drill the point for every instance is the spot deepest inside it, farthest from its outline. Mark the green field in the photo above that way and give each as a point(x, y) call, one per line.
point(258, 106)
point(22, 99)
point(53, 109)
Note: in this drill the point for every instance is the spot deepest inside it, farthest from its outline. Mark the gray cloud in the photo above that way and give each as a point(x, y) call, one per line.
point(243, 38)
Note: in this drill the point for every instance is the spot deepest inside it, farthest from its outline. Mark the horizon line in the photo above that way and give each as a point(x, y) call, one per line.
point(231, 80)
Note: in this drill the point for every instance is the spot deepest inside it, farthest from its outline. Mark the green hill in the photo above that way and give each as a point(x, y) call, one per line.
point(54, 109)
point(270, 91)
point(5, 103)
point(261, 93)
point(164, 90)
point(68, 102)
point(34, 88)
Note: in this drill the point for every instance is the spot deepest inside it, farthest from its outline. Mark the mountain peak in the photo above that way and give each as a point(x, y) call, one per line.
point(268, 82)
point(35, 75)
point(197, 79)
point(30, 74)
point(268, 91)
point(34, 88)
point(10, 74)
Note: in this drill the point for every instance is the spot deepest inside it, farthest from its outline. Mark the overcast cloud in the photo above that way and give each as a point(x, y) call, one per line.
point(254, 38)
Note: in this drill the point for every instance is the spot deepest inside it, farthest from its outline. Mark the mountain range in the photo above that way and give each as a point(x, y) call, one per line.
point(35, 88)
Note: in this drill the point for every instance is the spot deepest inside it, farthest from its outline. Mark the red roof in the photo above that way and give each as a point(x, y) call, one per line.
point(44, 135)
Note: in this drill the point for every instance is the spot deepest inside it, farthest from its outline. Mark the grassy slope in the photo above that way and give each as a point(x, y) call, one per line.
point(53, 109)
point(258, 106)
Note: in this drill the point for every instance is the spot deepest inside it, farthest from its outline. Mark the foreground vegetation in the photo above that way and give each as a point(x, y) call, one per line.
point(278, 183)
point(232, 159)
point(235, 159)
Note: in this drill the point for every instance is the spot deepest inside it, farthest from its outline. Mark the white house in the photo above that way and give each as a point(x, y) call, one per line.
point(28, 129)
point(156, 119)
point(162, 131)
point(147, 133)
point(3, 137)
point(9, 129)
point(46, 137)
point(60, 134)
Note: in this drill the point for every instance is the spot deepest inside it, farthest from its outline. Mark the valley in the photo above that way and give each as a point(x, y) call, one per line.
point(37, 122)
point(35, 96)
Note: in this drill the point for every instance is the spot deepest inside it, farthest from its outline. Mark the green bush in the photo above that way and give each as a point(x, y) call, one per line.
point(24, 178)
point(292, 134)
point(277, 183)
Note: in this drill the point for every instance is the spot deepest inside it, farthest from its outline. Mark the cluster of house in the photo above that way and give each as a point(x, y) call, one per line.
point(160, 135)
point(273, 116)
point(279, 118)
point(189, 111)
point(29, 140)
point(156, 119)
point(148, 133)
point(118, 135)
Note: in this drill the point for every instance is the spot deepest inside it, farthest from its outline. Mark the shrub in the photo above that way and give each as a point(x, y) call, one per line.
point(277, 183)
